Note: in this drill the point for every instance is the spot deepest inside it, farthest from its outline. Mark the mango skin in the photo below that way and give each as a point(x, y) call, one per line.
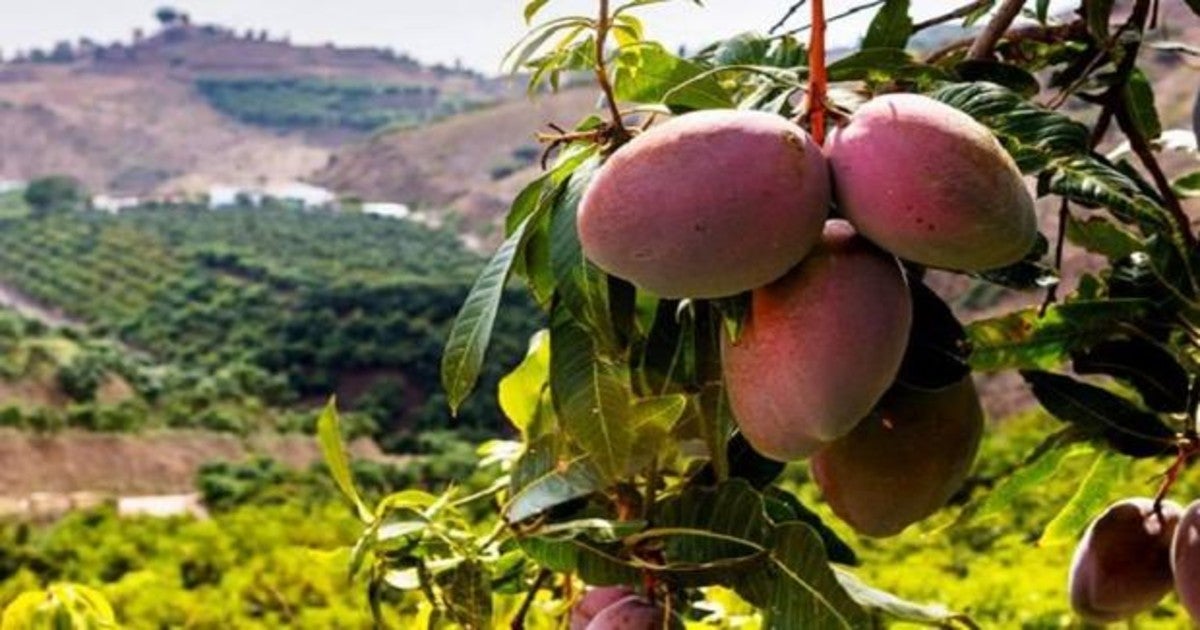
point(707, 204)
point(1185, 560)
point(1122, 565)
point(902, 464)
point(594, 601)
point(634, 613)
point(931, 185)
point(820, 347)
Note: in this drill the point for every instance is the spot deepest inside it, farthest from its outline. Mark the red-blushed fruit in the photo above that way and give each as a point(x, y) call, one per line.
point(1122, 565)
point(635, 613)
point(707, 204)
point(595, 600)
point(1185, 560)
point(820, 346)
point(904, 462)
point(931, 185)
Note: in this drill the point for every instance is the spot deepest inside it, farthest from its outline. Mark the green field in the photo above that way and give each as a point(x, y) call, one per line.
point(300, 304)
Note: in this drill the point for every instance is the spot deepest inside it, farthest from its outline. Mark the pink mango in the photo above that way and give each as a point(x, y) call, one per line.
point(708, 204)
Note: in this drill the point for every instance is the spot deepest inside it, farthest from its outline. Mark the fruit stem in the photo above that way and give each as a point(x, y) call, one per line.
point(603, 23)
point(818, 79)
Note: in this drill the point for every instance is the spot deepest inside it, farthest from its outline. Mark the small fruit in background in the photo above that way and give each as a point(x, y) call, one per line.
point(1122, 565)
point(708, 204)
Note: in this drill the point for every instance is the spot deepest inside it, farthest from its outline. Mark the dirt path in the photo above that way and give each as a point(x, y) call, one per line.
point(21, 303)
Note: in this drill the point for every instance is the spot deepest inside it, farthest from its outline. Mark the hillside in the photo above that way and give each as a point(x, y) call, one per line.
point(473, 163)
point(167, 113)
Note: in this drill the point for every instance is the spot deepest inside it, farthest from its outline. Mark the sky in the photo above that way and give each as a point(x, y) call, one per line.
point(477, 32)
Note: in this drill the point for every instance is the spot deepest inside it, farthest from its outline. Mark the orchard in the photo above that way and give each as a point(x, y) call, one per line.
point(732, 256)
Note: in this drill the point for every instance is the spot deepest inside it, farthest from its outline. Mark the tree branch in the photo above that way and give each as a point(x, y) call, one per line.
point(787, 16)
point(844, 14)
point(991, 34)
point(960, 12)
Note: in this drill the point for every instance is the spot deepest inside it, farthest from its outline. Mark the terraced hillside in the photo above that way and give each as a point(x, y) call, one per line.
point(304, 304)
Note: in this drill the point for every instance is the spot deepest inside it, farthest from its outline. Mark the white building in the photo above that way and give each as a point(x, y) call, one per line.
point(384, 209)
point(11, 185)
point(114, 205)
point(306, 195)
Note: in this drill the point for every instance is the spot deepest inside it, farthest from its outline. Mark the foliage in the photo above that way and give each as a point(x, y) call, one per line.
point(267, 304)
point(625, 472)
point(54, 193)
point(313, 103)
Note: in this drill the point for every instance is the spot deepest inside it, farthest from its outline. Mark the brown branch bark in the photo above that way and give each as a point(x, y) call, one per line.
point(960, 12)
point(603, 23)
point(818, 81)
point(983, 45)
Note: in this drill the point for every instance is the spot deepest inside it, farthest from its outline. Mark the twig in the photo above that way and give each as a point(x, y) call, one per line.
point(1032, 33)
point(518, 622)
point(818, 80)
point(844, 14)
point(960, 12)
point(983, 45)
point(602, 26)
point(1064, 214)
point(786, 16)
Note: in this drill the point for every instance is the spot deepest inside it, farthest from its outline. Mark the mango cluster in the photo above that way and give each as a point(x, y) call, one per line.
point(1132, 555)
point(716, 203)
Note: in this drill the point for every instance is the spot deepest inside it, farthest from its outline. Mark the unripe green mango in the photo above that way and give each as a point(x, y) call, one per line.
point(595, 600)
point(902, 463)
point(820, 346)
point(707, 204)
point(931, 185)
point(1122, 565)
point(635, 613)
point(1185, 560)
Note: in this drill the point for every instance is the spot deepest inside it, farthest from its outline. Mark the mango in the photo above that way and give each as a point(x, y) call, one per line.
point(595, 600)
point(931, 185)
point(1122, 565)
point(707, 204)
point(635, 613)
point(903, 462)
point(1185, 560)
point(820, 346)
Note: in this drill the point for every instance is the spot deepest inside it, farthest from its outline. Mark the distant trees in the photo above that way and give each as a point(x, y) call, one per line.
point(54, 193)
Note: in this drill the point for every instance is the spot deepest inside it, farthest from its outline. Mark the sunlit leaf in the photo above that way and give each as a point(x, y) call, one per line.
point(567, 481)
point(891, 26)
point(467, 594)
point(329, 434)
point(521, 391)
point(1023, 339)
point(1095, 491)
point(1037, 469)
point(1099, 235)
point(882, 602)
point(654, 75)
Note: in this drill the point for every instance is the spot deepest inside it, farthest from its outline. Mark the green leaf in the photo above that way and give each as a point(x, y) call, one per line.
point(1100, 413)
point(595, 564)
point(1151, 369)
point(1139, 99)
point(329, 434)
point(800, 587)
point(467, 594)
point(1091, 180)
point(1101, 236)
point(521, 391)
point(1038, 468)
point(591, 395)
point(878, 65)
point(532, 7)
point(1008, 75)
point(1187, 186)
point(653, 420)
point(1022, 339)
point(649, 74)
point(564, 482)
point(783, 507)
point(1099, 12)
point(1095, 491)
point(471, 332)
point(884, 603)
point(891, 26)
point(1033, 135)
